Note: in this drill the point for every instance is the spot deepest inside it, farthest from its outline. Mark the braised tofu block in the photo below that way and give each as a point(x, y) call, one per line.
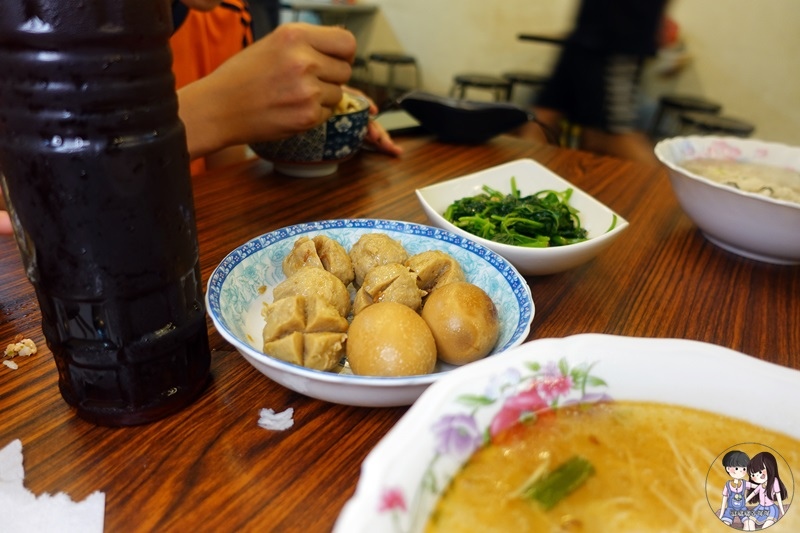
point(320, 252)
point(315, 282)
point(304, 331)
point(374, 249)
point(435, 268)
point(283, 317)
point(304, 253)
point(335, 258)
point(320, 316)
point(322, 351)
point(288, 348)
point(392, 282)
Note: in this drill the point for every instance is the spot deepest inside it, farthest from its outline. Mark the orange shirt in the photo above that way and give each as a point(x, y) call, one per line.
point(205, 40)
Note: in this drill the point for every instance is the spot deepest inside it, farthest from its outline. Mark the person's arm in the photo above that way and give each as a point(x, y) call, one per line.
point(5, 223)
point(5, 220)
point(283, 84)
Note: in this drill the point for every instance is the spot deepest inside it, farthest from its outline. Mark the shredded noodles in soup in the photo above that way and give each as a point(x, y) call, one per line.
point(775, 182)
point(610, 467)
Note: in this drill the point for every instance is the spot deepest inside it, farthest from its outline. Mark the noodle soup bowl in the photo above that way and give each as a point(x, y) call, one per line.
point(602, 224)
point(318, 151)
point(405, 475)
point(748, 224)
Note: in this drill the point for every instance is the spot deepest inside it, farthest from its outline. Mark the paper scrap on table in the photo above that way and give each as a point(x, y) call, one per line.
point(271, 420)
point(24, 512)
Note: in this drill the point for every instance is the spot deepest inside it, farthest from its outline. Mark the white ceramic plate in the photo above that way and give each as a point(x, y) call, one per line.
point(234, 303)
point(402, 478)
point(601, 222)
point(745, 223)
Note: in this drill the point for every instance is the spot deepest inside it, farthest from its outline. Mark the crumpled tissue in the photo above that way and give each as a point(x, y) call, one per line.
point(24, 512)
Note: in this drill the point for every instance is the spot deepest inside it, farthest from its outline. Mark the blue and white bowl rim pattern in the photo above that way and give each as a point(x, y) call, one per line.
point(217, 280)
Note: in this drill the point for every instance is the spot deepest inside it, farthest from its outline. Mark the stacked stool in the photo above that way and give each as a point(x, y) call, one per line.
point(706, 124)
point(524, 78)
point(393, 60)
point(361, 68)
point(671, 106)
point(499, 87)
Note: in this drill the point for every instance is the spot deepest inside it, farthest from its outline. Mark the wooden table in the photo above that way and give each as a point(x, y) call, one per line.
point(211, 468)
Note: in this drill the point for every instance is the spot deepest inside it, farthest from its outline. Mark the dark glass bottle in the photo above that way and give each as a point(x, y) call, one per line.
point(95, 170)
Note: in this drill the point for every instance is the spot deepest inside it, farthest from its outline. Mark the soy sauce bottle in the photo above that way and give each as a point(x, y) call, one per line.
point(95, 171)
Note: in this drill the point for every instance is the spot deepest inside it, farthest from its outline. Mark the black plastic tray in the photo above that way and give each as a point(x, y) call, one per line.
point(463, 121)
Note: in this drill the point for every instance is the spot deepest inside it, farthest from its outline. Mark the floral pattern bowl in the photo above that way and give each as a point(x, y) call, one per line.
point(318, 151)
point(244, 280)
point(405, 474)
point(745, 223)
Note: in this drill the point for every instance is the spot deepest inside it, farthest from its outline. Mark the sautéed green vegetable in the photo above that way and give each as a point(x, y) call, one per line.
point(539, 220)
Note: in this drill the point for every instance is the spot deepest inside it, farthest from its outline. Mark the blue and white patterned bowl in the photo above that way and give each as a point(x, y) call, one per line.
point(244, 280)
point(318, 151)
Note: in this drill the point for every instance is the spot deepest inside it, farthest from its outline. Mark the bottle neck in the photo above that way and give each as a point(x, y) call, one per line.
point(85, 69)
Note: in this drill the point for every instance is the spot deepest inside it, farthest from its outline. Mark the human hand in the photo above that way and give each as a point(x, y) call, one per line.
point(377, 135)
point(5, 223)
point(285, 83)
point(5, 220)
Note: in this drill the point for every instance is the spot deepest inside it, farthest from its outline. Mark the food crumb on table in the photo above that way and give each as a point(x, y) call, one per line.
point(273, 421)
point(20, 347)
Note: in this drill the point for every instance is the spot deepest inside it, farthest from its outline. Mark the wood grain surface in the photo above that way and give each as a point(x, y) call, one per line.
point(211, 468)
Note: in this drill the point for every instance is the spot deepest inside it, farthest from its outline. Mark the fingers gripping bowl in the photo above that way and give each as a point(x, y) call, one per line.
point(318, 151)
point(244, 280)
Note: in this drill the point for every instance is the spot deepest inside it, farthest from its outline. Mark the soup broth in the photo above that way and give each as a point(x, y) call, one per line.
point(768, 180)
point(656, 468)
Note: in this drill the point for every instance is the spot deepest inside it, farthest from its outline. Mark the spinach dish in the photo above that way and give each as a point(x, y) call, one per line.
point(539, 220)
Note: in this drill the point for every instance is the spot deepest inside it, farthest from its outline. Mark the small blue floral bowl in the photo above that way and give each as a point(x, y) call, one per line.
point(318, 151)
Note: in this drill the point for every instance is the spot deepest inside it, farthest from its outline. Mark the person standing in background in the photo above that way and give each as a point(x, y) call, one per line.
point(596, 79)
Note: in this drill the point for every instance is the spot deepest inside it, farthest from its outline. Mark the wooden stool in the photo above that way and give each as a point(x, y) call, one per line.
point(500, 87)
point(706, 124)
point(393, 60)
point(527, 79)
point(360, 65)
point(676, 104)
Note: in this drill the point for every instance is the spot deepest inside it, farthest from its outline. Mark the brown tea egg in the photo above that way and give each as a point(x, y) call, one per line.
point(390, 339)
point(464, 322)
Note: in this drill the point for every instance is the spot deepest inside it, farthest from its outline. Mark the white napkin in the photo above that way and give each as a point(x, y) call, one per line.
point(24, 512)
